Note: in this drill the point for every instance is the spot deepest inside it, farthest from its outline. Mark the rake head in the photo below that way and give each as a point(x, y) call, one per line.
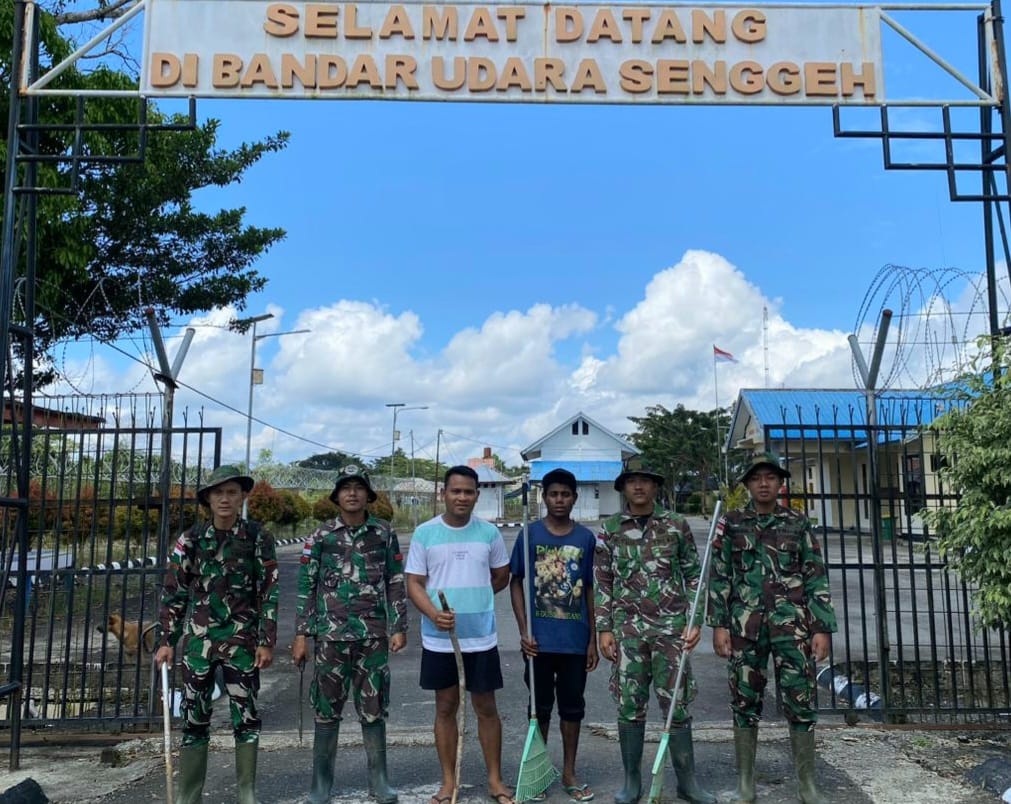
point(537, 773)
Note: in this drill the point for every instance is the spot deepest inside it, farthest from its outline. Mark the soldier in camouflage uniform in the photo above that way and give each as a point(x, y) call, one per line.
point(646, 571)
point(225, 572)
point(769, 593)
point(352, 601)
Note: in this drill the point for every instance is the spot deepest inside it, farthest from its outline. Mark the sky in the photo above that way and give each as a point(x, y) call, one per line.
point(506, 266)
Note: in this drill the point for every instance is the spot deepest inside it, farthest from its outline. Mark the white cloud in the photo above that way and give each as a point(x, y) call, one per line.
point(501, 384)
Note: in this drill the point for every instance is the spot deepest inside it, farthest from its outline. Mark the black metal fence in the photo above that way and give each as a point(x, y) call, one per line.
point(102, 511)
point(908, 646)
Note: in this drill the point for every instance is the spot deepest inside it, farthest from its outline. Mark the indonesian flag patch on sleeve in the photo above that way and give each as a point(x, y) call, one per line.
point(306, 552)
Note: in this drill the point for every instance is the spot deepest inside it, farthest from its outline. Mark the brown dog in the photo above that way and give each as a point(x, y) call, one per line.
point(133, 635)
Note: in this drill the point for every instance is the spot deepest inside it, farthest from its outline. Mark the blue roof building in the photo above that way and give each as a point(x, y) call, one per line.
point(823, 438)
point(592, 453)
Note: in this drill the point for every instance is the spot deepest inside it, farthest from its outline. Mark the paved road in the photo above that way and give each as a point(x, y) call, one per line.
point(855, 766)
point(413, 765)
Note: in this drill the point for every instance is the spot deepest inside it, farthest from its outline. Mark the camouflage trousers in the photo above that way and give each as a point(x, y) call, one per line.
point(794, 667)
point(201, 658)
point(361, 667)
point(644, 661)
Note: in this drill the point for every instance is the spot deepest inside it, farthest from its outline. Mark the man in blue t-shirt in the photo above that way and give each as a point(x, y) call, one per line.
point(564, 643)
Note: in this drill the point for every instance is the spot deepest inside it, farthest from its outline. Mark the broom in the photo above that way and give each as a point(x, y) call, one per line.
point(656, 786)
point(537, 773)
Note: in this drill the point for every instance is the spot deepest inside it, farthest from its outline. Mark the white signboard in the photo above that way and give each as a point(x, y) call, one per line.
point(617, 53)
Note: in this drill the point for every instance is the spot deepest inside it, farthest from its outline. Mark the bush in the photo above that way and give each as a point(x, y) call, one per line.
point(265, 504)
point(734, 498)
point(134, 522)
point(382, 507)
point(693, 505)
point(323, 509)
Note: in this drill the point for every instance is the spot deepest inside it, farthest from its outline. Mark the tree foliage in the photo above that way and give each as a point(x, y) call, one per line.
point(129, 236)
point(680, 444)
point(328, 461)
point(974, 440)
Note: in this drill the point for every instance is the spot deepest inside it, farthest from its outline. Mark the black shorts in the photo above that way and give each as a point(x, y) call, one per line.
point(482, 670)
point(561, 676)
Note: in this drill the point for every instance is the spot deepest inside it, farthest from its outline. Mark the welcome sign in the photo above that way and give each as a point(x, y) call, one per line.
point(614, 53)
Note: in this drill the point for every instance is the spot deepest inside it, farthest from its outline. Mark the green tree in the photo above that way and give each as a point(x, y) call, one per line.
point(974, 439)
point(680, 444)
point(402, 465)
point(329, 461)
point(128, 237)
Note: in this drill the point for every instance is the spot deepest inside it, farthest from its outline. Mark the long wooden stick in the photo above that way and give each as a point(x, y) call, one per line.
point(461, 708)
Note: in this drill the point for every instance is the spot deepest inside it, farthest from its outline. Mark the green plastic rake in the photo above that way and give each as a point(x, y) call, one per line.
point(656, 786)
point(537, 773)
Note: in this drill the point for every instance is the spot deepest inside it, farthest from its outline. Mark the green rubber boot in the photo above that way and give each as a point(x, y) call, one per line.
point(324, 749)
point(631, 737)
point(802, 743)
point(192, 772)
point(682, 757)
point(374, 737)
point(745, 747)
point(245, 771)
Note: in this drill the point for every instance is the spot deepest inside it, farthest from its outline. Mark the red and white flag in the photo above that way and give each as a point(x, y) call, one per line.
point(722, 356)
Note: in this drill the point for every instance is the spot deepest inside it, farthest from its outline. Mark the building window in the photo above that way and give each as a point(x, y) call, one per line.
point(575, 428)
point(586, 429)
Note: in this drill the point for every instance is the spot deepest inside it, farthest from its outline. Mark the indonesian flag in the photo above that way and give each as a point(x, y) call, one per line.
point(722, 356)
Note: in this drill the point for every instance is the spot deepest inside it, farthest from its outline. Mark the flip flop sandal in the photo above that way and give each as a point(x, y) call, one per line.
point(579, 792)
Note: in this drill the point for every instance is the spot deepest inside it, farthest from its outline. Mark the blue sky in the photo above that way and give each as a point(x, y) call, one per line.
point(508, 265)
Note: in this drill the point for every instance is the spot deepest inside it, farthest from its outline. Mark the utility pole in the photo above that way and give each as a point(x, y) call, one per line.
point(765, 343)
point(435, 496)
point(414, 486)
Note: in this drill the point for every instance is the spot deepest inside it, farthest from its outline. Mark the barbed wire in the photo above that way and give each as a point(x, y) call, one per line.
point(929, 340)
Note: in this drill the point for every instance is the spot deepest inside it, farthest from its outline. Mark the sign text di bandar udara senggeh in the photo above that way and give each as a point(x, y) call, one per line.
point(571, 38)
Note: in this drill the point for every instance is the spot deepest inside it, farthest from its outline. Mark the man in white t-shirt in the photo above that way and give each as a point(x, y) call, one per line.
point(466, 559)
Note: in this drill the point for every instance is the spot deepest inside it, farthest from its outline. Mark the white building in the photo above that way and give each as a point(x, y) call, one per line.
point(491, 483)
point(592, 453)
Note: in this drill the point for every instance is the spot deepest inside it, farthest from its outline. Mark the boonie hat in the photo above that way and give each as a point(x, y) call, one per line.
point(561, 476)
point(220, 476)
point(767, 460)
point(634, 467)
point(353, 472)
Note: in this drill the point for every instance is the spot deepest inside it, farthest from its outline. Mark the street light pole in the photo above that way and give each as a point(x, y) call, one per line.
point(398, 407)
point(252, 382)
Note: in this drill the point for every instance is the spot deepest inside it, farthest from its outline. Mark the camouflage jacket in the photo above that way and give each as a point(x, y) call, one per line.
point(351, 583)
point(769, 569)
point(645, 577)
point(229, 578)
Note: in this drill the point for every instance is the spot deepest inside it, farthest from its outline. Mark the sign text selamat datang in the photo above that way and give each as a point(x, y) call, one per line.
point(472, 52)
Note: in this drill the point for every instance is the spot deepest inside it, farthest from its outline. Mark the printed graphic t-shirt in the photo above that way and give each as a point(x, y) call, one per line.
point(563, 570)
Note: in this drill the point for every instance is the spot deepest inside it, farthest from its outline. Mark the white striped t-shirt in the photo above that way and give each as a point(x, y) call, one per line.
point(458, 562)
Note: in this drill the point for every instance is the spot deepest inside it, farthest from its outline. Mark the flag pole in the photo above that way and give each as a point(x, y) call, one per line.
point(716, 393)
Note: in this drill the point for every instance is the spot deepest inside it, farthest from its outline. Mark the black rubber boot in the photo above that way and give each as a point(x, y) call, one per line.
point(374, 737)
point(245, 771)
point(745, 747)
point(802, 743)
point(682, 757)
point(324, 749)
point(192, 772)
point(631, 737)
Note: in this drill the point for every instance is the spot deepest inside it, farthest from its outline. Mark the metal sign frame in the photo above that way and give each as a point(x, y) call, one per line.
point(22, 189)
